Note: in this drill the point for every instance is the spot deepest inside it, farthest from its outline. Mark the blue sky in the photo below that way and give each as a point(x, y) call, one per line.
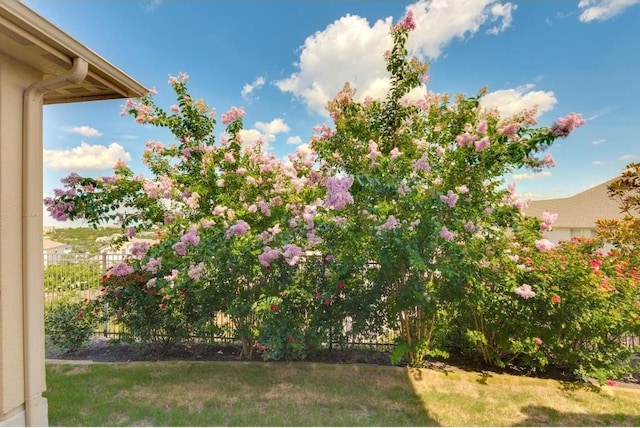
point(283, 60)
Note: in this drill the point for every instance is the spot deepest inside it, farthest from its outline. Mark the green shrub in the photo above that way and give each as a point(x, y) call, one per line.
point(70, 324)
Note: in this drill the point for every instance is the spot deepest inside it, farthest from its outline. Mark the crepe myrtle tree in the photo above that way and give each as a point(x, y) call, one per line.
point(415, 187)
point(225, 214)
point(401, 197)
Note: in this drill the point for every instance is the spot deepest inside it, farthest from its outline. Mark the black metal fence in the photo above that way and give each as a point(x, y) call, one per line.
point(76, 276)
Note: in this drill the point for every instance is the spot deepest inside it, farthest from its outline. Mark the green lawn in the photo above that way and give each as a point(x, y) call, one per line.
point(180, 393)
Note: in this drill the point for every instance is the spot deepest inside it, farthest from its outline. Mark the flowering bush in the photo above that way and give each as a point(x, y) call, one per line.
point(396, 217)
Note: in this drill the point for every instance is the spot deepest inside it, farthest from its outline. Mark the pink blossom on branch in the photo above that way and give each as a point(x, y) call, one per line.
point(232, 115)
point(525, 291)
point(292, 254)
point(121, 269)
point(268, 255)
point(180, 248)
point(338, 195)
point(547, 221)
point(139, 249)
point(565, 125)
point(408, 23)
point(482, 144)
point(240, 228)
point(195, 271)
point(190, 238)
point(450, 198)
point(544, 245)
point(446, 234)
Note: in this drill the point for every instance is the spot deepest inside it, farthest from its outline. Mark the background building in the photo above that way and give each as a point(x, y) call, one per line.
point(577, 214)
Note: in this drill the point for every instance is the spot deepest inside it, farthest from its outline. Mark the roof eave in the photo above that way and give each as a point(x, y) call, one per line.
point(109, 81)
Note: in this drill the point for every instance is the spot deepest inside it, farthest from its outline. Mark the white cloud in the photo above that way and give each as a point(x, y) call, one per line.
point(601, 10)
point(265, 132)
point(85, 131)
point(501, 12)
point(85, 156)
point(596, 163)
point(513, 101)
point(276, 126)
point(250, 136)
point(294, 140)
point(531, 176)
point(598, 142)
point(351, 49)
point(150, 5)
point(628, 157)
point(438, 22)
point(602, 112)
point(248, 88)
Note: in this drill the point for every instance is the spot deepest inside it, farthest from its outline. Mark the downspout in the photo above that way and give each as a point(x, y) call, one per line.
point(32, 271)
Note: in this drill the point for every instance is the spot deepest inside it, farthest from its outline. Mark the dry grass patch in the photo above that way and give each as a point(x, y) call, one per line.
point(312, 394)
point(470, 398)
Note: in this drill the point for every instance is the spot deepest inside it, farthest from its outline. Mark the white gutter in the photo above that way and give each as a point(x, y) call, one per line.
point(32, 271)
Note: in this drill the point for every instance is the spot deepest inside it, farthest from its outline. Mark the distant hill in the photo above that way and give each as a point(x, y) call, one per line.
point(82, 239)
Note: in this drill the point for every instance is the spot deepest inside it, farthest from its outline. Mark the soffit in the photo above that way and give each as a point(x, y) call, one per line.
point(34, 41)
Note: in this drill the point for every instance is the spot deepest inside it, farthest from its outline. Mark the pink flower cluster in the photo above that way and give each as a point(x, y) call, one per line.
point(268, 255)
point(525, 291)
point(59, 209)
point(152, 265)
point(239, 229)
point(195, 271)
point(565, 125)
point(390, 224)
point(446, 234)
point(121, 269)
point(547, 221)
point(232, 115)
point(139, 249)
point(451, 198)
point(408, 23)
point(338, 195)
point(544, 245)
point(292, 254)
point(189, 238)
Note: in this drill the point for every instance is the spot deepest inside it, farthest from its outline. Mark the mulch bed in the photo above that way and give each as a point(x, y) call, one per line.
point(102, 350)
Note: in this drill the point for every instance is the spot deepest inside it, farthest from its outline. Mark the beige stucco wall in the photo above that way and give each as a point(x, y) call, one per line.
point(14, 79)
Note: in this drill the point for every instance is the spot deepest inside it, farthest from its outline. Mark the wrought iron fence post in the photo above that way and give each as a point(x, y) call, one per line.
point(104, 272)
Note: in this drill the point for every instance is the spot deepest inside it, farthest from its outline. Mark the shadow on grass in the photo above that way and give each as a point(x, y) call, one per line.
point(547, 416)
point(232, 394)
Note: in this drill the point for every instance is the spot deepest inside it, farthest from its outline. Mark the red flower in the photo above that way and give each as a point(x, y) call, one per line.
point(327, 301)
point(163, 306)
point(274, 308)
point(341, 285)
point(538, 340)
point(611, 382)
point(118, 294)
point(556, 299)
point(318, 294)
point(80, 315)
point(291, 339)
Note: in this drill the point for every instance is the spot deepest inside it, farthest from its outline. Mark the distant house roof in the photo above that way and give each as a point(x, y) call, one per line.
point(31, 39)
point(48, 244)
point(580, 210)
